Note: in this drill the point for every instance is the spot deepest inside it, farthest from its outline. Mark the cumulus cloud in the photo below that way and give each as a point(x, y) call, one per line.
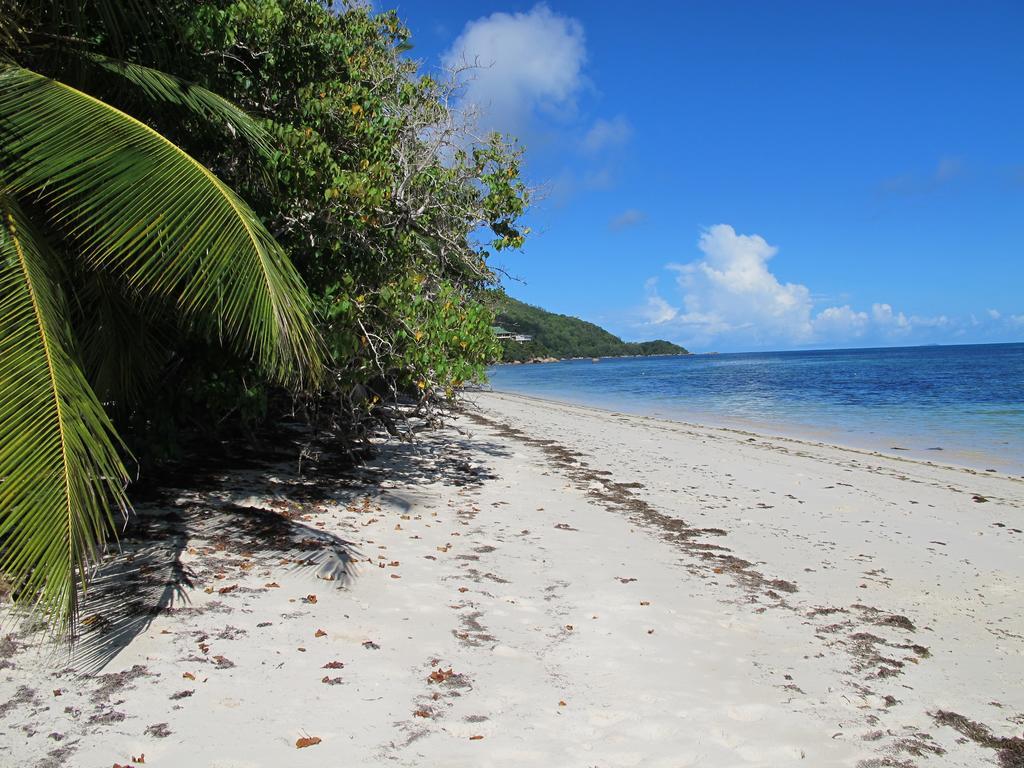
point(628, 218)
point(884, 316)
point(731, 290)
point(607, 133)
point(730, 294)
point(529, 62)
point(839, 322)
point(657, 311)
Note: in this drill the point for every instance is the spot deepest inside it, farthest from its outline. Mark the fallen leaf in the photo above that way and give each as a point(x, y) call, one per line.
point(475, 738)
point(421, 713)
point(562, 704)
point(307, 741)
point(320, 633)
point(334, 665)
point(645, 602)
point(463, 589)
point(440, 675)
point(227, 590)
point(188, 676)
point(272, 585)
point(331, 680)
point(395, 576)
point(141, 759)
point(310, 598)
point(568, 627)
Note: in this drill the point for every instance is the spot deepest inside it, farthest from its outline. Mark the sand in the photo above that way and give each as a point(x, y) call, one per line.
point(548, 585)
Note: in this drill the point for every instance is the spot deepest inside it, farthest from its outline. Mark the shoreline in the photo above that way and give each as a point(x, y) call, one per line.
point(548, 584)
point(796, 432)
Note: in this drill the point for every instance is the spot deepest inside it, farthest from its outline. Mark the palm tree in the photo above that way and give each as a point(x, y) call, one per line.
point(100, 214)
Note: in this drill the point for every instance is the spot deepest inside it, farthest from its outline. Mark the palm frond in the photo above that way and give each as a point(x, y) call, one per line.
point(124, 23)
point(122, 342)
point(60, 472)
point(144, 210)
point(11, 33)
point(159, 86)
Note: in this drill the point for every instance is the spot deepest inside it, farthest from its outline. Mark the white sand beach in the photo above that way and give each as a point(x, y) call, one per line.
point(549, 585)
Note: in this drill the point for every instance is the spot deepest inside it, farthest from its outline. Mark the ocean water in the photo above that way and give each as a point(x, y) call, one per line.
point(950, 404)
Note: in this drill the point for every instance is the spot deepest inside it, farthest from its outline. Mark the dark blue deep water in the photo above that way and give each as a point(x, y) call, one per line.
point(955, 404)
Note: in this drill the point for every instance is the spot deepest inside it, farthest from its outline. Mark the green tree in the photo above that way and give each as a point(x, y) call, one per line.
point(388, 205)
point(109, 228)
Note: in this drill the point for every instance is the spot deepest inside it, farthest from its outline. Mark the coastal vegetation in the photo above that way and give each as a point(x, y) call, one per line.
point(562, 336)
point(215, 213)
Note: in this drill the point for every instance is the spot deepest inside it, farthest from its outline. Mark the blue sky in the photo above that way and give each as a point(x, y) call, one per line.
point(752, 175)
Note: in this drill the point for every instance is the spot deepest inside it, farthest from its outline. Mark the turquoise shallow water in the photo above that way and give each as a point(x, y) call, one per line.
point(956, 404)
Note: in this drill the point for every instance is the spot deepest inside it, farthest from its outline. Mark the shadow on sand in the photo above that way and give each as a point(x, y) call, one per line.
point(223, 520)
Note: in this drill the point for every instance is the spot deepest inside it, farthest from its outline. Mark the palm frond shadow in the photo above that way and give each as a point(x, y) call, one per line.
point(147, 577)
point(251, 512)
point(132, 588)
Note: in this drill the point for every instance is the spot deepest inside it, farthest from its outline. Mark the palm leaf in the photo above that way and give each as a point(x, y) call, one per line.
point(144, 210)
point(60, 473)
point(122, 342)
point(159, 86)
point(124, 23)
point(11, 33)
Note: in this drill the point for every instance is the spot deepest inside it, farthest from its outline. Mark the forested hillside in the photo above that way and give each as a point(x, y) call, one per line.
point(564, 336)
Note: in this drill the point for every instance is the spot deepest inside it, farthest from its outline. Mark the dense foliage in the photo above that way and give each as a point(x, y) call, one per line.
point(563, 336)
point(212, 212)
point(377, 191)
point(107, 228)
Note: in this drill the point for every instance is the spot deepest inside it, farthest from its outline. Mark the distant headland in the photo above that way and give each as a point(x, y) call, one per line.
point(529, 334)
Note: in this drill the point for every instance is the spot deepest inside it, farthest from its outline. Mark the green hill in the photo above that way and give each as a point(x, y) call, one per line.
point(564, 336)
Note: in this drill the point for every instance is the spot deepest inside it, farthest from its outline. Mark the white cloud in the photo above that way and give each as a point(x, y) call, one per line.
point(529, 62)
point(883, 316)
point(731, 296)
point(628, 218)
point(607, 133)
point(657, 311)
point(839, 322)
point(732, 291)
point(994, 314)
